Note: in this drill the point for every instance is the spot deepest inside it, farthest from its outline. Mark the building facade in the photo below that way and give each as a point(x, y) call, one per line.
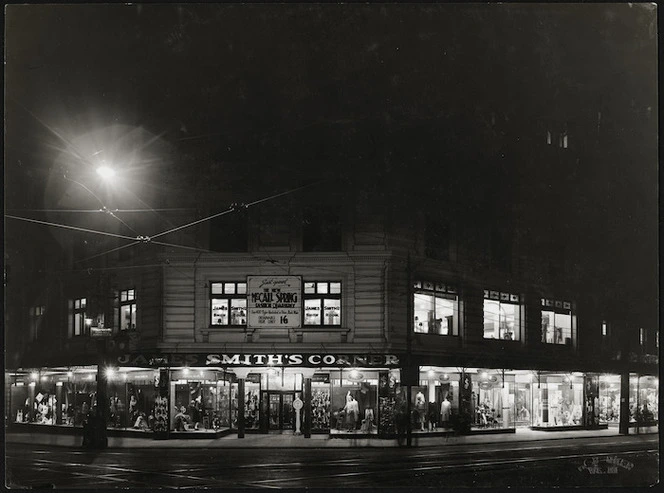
point(358, 317)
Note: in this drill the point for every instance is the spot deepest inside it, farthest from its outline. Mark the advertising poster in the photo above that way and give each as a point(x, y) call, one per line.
point(274, 301)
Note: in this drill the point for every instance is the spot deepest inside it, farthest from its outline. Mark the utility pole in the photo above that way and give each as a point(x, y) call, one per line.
point(409, 358)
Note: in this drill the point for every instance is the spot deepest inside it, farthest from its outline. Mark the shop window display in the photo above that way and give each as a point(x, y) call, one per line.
point(320, 407)
point(200, 404)
point(435, 308)
point(523, 383)
point(493, 400)
point(131, 400)
point(558, 401)
point(434, 402)
point(643, 400)
point(353, 403)
point(250, 402)
point(609, 399)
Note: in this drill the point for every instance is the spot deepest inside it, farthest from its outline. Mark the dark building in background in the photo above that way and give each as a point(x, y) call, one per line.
point(485, 261)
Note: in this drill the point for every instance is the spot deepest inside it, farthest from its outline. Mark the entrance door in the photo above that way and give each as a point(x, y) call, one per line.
point(280, 410)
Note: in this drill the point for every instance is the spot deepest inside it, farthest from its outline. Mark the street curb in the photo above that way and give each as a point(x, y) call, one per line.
point(314, 447)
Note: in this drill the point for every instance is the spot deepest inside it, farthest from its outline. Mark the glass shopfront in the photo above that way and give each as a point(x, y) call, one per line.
point(435, 402)
point(609, 399)
point(353, 401)
point(61, 397)
point(493, 399)
point(643, 400)
point(200, 400)
point(558, 400)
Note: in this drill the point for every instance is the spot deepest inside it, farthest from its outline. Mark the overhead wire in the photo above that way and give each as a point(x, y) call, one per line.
point(64, 226)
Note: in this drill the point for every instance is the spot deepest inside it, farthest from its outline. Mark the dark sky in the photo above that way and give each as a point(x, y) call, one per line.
point(284, 86)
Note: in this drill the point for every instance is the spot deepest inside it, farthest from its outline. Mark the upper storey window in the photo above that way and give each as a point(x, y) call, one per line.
point(502, 315)
point(322, 303)
point(435, 309)
point(128, 309)
point(557, 322)
point(228, 303)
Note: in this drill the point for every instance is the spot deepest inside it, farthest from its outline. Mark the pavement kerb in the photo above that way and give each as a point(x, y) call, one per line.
point(343, 443)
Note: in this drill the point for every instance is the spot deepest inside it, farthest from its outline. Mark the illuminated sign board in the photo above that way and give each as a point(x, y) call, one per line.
point(274, 301)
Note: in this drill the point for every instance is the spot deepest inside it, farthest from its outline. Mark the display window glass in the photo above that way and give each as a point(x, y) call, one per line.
point(435, 309)
point(502, 316)
point(609, 399)
point(493, 400)
point(558, 401)
point(523, 395)
point(353, 402)
point(643, 400)
point(251, 403)
point(200, 400)
point(320, 405)
point(131, 396)
point(435, 402)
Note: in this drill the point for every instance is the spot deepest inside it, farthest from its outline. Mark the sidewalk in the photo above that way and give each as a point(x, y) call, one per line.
point(292, 441)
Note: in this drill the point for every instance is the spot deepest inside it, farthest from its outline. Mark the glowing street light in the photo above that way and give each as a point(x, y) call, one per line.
point(105, 172)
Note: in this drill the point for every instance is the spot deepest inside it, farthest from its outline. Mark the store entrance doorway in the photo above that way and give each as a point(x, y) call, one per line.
point(280, 410)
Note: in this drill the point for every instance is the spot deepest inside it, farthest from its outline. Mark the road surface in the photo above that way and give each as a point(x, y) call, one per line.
point(602, 461)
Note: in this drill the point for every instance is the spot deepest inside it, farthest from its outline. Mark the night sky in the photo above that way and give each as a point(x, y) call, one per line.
point(263, 89)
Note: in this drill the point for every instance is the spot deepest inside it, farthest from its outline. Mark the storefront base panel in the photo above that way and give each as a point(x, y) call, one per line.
point(569, 428)
point(490, 431)
point(222, 432)
point(112, 432)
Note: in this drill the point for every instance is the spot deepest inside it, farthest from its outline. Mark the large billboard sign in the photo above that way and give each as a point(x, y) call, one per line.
point(274, 301)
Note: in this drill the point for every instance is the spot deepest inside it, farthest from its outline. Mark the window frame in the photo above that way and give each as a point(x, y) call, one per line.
point(228, 297)
point(133, 308)
point(36, 317)
point(512, 299)
point(558, 307)
point(438, 290)
point(321, 296)
point(77, 309)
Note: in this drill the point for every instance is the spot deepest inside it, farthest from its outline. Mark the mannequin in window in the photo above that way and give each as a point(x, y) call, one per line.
point(367, 422)
point(420, 408)
point(445, 411)
point(432, 416)
point(352, 409)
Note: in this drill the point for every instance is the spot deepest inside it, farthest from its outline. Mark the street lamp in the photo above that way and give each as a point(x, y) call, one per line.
point(105, 172)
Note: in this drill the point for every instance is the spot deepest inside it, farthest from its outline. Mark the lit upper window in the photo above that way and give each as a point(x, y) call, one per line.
point(502, 315)
point(228, 303)
point(435, 308)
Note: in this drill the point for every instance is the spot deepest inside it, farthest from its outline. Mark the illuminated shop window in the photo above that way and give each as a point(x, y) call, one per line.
point(557, 322)
point(502, 316)
point(128, 309)
point(322, 303)
point(228, 303)
point(77, 316)
point(605, 329)
point(435, 309)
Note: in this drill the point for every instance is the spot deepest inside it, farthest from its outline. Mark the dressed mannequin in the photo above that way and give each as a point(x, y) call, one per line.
point(352, 410)
point(432, 416)
point(445, 409)
point(420, 407)
point(367, 423)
